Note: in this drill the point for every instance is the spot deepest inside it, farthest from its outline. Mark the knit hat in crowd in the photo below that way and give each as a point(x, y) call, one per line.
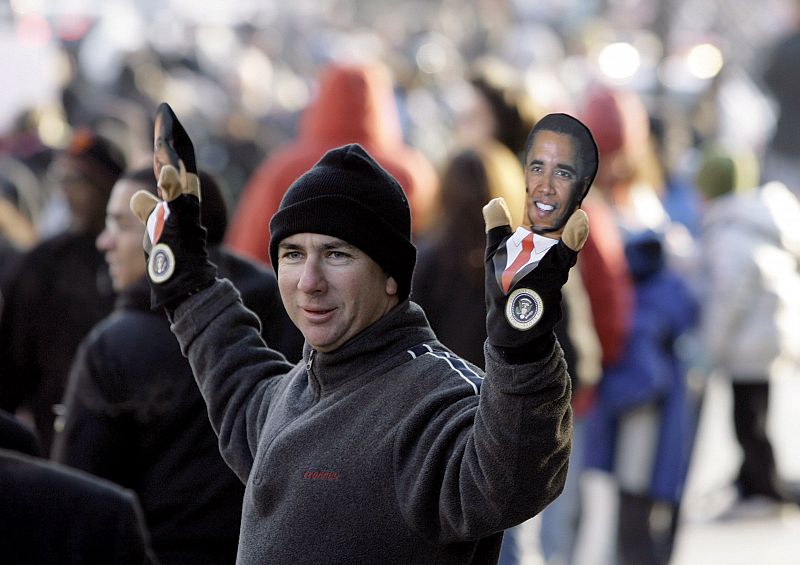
point(348, 195)
point(722, 171)
point(96, 157)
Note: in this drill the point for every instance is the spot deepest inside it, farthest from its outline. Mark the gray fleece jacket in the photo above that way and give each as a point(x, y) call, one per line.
point(388, 450)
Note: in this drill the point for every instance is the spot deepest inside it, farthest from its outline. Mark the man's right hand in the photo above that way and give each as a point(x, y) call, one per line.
point(175, 239)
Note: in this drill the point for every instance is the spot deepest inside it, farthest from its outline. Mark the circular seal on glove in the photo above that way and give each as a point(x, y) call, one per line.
point(161, 264)
point(524, 309)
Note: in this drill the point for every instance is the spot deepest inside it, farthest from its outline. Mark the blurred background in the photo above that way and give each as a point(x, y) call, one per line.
point(240, 73)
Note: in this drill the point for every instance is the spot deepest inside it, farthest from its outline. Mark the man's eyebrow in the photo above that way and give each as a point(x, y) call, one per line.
point(338, 244)
point(565, 166)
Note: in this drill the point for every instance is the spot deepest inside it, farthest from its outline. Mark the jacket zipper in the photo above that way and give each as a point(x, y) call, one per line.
point(311, 376)
point(310, 361)
point(258, 466)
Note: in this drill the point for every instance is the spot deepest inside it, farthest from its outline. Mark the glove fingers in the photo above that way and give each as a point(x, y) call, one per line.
point(576, 230)
point(169, 182)
point(498, 220)
point(142, 205)
point(496, 214)
point(172, 138)
point(193, 185)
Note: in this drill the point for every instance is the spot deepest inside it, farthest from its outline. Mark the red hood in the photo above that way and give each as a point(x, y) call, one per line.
point(354, 102)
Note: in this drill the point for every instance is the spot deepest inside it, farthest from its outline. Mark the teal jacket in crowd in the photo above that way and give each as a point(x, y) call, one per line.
point(388, 450)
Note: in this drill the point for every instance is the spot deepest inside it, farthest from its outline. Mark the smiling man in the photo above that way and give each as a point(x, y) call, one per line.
point(561, 158)
point(381, 445)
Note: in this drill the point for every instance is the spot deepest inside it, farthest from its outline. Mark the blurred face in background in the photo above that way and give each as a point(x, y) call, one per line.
point(551, 177)
point(475, 121)
point(121, 240)
point(86, 201)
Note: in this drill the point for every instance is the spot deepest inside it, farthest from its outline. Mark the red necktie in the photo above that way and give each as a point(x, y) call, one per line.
point(159, 227)
point(523, 257)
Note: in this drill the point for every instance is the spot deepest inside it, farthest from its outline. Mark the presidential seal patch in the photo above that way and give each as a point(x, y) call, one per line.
point(161, 264)
point(524, 309)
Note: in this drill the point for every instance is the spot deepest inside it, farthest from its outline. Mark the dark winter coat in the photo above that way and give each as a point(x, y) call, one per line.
point(54, 515)
point(450, 288)
point(15, 436)
point(56, 293)
point(650, 371)
point(133, 415)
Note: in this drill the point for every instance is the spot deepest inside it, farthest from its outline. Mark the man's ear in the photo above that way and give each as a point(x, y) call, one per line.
point(391, 286)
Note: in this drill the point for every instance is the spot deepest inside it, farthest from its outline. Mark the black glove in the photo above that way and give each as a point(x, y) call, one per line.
point(523, 290)
point(175, 239)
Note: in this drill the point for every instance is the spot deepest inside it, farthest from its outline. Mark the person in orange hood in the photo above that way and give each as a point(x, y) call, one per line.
point(355, 104)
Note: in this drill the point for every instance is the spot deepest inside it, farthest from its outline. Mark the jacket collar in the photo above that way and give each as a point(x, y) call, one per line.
point(135, 297)
point(382, 345)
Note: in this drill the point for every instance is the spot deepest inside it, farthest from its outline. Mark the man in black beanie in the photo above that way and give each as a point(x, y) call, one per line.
point(381, 445)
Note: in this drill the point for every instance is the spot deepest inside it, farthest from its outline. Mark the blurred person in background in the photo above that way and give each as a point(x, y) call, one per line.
point(498, 108)
point(641, 428)
point(782, 82)
point(681, 198)
point(17, 230)
point(602, 263)
point(643, 404)
point(355, 104)
point(22, 188)
point(16, 436)
point(750, 270)
point(449, 276)
point(132, 411)
point(53, 514)
point(630, 178)
point(58, 289)
point(25, 160)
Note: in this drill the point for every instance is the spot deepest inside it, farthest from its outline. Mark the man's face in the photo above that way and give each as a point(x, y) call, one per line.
point(551, 176)
point(121, 240)
point(331, 289)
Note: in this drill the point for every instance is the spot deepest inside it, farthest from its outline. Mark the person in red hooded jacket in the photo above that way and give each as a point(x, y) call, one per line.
point(355, 104)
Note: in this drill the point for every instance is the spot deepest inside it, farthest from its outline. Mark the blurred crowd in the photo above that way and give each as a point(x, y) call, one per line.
point(692, 267)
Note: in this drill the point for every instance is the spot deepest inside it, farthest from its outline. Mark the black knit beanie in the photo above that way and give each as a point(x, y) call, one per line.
point(348, 195)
